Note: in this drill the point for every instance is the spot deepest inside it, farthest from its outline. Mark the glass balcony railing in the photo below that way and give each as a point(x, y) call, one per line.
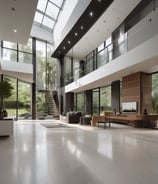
point(104, 56)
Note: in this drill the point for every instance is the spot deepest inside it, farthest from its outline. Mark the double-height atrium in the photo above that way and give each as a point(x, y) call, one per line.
point(79, 91)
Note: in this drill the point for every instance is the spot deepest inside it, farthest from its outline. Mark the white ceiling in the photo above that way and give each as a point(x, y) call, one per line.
point(101, 30)
point(16, 15)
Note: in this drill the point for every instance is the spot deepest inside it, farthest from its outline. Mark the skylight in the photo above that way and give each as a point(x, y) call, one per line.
point(47, 13)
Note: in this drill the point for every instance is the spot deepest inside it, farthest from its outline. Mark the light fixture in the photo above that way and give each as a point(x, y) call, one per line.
point(81, 27)
point(68, 41)
point(76, 34)
point(15, 30)
point(91, 13)
point(64, 48)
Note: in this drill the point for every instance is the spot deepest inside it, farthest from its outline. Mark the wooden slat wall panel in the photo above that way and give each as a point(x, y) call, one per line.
point(146, 92)
point(137, 88)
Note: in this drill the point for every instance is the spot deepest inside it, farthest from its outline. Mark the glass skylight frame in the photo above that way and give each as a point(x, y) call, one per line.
point(43, 16)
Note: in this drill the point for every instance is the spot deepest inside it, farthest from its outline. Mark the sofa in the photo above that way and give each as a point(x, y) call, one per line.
point(73, 117)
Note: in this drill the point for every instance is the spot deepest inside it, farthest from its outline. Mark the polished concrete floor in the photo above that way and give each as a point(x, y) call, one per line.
point(78, 155)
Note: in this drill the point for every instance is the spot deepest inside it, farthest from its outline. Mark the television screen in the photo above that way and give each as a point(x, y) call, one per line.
point(129, 107)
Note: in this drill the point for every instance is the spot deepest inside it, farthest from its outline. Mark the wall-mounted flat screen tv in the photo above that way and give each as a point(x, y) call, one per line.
point(129, 107)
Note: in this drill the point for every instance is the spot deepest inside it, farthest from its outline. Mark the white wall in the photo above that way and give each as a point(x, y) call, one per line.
point(143, 30)
point(72, 10)
point(41, 33)
point(22, 71)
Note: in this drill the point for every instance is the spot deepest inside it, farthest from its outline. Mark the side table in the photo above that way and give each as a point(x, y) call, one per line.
point(85, 120)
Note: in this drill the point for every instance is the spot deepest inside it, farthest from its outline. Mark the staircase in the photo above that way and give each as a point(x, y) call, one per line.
point(51, 104)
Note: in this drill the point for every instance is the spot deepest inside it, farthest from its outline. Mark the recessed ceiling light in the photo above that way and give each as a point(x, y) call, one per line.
point(82, 27)
point(59, 52)
point(91, 13)
point(76, 34)
point(15, 30)
point(68, 41)
point(64, 48)
point(99, 0)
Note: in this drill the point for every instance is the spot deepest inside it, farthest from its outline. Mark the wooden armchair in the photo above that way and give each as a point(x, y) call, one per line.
point(95, 119)
point(105, 120)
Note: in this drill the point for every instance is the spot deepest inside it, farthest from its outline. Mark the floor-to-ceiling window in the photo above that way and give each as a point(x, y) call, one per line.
point(89, 63)
point(96, 102)
point(24, 100)
point(68, 70)
point(19, 103)
point(80, 102)
point(51, 75)
point(101, 56)
point(40, 65)
point(105, 99)
point(45, 76)
point(155, 93)
point(10, 103)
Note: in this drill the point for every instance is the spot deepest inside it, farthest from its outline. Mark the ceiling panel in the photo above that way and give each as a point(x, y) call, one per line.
point(16, 19)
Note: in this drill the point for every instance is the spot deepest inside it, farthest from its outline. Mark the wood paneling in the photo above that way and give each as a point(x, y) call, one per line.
point(137, 88)
point(146, 92)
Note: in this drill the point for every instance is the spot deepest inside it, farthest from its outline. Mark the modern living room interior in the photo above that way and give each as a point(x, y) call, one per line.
point(84, 104)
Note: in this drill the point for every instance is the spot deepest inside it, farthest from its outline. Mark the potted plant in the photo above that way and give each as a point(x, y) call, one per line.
point(5, 92)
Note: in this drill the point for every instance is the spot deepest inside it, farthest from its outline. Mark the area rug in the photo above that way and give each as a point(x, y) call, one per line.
point(55, 125)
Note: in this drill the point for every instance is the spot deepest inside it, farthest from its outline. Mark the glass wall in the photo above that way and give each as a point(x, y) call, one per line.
point(25, 52)
point(80, 102)
point(17, 52)
point(101, 101)
point(51, 65)
point(46, 79)
point(10, 103)
point(155, 92)
point(105, 99)
point(76, 73)
point(40, 65)
point(24, 100)
point(9, 51)
point(68, 70)
point(101, 56)
point(96, 102)
point(19, 104)
point(89, 63)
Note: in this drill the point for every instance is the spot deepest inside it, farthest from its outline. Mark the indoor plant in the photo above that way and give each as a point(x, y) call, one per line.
point(5, 92)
